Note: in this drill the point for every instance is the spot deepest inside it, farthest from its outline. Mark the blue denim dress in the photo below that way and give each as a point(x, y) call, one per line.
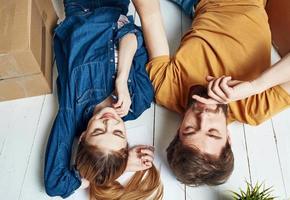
point(84, 49)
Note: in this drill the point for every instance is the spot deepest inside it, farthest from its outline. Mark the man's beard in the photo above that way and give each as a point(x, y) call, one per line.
point(202, 92)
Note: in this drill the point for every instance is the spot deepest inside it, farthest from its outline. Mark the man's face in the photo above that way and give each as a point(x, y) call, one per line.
point(204, 127)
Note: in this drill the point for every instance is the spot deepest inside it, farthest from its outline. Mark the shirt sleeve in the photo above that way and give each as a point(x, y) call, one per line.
point(59, 178)
point(168, 84)
point(130, 28)
point(258, 108)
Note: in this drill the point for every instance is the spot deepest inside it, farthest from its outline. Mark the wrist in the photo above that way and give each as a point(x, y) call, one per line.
point(122, 78)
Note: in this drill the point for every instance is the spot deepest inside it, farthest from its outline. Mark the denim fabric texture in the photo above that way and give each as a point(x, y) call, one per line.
point(84, 49)
point(186, 6)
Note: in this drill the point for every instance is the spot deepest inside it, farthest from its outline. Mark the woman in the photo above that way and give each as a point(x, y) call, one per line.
point(101, 59)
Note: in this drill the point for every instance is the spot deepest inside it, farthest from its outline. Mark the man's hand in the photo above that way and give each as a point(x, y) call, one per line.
point(122, 99)
point(224, 90)
point(140, 158)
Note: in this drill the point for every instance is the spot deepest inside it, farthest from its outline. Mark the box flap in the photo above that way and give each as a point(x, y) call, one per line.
point(47, 12)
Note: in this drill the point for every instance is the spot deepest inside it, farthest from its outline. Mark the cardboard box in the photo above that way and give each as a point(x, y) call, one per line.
point(279, 19)
point(26, 48)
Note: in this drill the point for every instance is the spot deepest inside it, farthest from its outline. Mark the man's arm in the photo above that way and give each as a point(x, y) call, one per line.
point(225, 90)
point(279, 74)
point(153, 28)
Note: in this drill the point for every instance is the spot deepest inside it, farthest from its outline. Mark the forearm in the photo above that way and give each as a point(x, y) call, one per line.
point(127, 50)
point(278, 74)
point(152, 26)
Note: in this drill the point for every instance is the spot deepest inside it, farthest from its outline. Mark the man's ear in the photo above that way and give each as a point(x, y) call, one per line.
point(229, 136)
point(82, 136)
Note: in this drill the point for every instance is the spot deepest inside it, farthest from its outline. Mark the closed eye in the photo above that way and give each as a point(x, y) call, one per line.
point(119, 133)
point(97, 132)
point(189, 130)
point(214, 134)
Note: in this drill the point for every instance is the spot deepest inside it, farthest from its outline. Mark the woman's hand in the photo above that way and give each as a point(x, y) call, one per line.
point(224, 90)
point(85, 184)
point(140, 158)
point(123, 100)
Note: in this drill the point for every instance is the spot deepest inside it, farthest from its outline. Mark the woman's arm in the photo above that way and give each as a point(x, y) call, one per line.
point(153, 28)
point(127, 50)
point(59, 178)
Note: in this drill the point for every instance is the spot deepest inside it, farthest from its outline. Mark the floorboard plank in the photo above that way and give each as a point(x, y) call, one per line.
point(33, 187)
point(166, 124)
point(281, 127)
point(263, 157)
point(18, 121)
point(241, 168)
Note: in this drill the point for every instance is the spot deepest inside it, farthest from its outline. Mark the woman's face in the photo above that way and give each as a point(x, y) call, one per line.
point(106, 130)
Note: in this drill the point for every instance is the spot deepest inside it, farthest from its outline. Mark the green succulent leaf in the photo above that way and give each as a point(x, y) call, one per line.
point(256, 192)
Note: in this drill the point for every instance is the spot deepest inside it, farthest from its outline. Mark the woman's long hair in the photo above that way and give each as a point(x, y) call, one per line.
point(102, 169)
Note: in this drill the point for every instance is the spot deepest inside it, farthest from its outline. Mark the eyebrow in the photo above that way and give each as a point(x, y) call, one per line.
point(114, 133)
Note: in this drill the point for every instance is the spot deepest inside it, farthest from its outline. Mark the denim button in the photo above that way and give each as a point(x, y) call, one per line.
point(111, 40)
point(111, 49)
point(129, 81)
point(114, 28)
point(113, 76)
point(111, 60)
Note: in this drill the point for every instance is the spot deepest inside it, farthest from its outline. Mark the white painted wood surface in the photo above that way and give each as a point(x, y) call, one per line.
point(261, 153)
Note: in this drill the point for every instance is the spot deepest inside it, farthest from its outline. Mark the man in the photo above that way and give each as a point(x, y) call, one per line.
point(229, 40)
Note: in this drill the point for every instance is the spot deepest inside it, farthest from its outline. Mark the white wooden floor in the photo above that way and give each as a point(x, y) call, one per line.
point(261, 153)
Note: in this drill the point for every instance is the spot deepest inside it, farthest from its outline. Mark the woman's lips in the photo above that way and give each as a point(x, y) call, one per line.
point(108, 116)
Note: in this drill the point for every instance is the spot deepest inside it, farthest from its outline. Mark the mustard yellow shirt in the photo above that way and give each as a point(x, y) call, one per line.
point(227, 37)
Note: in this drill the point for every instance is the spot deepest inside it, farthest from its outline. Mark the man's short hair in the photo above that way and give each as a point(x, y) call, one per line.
point(194, 168)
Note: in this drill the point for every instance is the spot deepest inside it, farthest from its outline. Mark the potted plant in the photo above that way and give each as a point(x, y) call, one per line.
point(254, 192)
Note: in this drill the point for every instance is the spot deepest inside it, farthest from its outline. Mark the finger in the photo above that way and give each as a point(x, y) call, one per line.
point(126, 109)
point(118, 103)
point(209, 78)
point(147, 158)
point(138, 148)
point(218, 90)
point(147, 152)
point(119, 111)
point(205, 100)
point(146, 165)
point(211, 92)
point(225, 87)
point(233, 83)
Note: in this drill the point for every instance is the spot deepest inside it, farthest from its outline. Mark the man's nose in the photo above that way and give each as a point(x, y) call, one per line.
point(203, 122)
